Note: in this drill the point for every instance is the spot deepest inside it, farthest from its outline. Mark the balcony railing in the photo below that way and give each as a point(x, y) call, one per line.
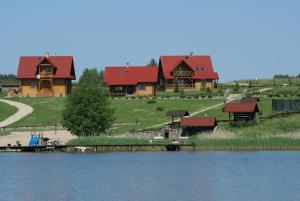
point(184, 86)
point(46, 75)
point(182, 73)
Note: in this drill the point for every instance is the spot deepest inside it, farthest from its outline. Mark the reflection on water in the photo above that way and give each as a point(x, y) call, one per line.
point(207, 176)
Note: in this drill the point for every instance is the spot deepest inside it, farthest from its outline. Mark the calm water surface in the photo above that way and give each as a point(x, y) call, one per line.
point(206, 176)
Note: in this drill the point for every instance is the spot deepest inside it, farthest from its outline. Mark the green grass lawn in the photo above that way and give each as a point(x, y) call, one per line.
point(47, 111)
point(6, 110)
point(147, 115)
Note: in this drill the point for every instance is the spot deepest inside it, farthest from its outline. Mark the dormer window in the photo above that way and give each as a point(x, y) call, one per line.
point(199, 69)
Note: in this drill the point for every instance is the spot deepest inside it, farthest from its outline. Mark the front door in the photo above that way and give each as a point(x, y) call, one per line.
point(130, 90)
point(45, 89)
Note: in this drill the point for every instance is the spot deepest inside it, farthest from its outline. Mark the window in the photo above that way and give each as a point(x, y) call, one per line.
point(47, 70)
point(122, 72)
point(200, 69)
point(33, 84)
point(141, 86)
point(118, 88)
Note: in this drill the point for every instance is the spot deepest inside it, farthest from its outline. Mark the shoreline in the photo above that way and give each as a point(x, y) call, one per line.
point(143, 148)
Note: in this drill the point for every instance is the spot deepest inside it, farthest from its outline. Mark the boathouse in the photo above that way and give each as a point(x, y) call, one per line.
point(191, 72)
point(241, 111)
point(131, 80)
point(193, 125)
point(46, 75)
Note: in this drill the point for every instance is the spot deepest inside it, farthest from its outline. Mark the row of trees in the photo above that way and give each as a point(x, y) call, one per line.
point(285, 76)
point(8, 78)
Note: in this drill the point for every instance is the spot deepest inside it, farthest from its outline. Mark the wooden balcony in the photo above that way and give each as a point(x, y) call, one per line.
point(44, 75)
point(184, 86)
point(182, 73)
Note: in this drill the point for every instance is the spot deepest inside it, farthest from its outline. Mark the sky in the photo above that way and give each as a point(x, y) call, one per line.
point(245, 39)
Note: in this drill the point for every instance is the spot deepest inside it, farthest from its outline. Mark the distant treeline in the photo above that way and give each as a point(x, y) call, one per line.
point(8, 78)
point(285, 76)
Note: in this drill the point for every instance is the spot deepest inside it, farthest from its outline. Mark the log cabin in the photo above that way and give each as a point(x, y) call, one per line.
point(46, 75)
point(191, 72)
point(242, 112)
point(131, 80)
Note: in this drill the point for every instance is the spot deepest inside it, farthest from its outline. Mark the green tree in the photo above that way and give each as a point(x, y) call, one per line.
point(101, 75)
point(152, 63)
point(236, 88)
point(87, 111)
point(90, 77)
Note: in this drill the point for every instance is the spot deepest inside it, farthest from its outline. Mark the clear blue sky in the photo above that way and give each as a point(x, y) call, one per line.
point(246, 39)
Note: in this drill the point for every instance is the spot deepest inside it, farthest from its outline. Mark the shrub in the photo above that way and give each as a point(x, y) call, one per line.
point(151, 101)
point(160, 108)
point(176, 88)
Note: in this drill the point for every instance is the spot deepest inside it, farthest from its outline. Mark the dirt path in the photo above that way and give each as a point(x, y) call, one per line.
point(23, 111)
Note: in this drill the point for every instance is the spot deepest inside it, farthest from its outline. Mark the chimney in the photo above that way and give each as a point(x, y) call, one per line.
point(127, 65)
point(47, 54)
point(191, 54)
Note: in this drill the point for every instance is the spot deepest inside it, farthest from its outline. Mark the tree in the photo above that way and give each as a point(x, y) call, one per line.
point(90, 77)
point(152, 63)
point(236, 88)
point(87, 111)
point(101, 76)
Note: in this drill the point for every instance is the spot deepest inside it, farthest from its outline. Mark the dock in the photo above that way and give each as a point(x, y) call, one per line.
point(100, 148)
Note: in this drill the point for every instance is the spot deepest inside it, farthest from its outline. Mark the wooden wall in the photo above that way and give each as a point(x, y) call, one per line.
point(148, 91)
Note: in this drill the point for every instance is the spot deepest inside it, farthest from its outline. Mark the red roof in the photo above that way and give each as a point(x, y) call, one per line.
point(169, 63)
point(64, 66)
point(241, 107)
point(131, 75)
point(198, 121)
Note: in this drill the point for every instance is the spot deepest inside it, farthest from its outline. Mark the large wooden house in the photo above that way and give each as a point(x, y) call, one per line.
point(131, 80)
point(187, 72)
point(46, 75)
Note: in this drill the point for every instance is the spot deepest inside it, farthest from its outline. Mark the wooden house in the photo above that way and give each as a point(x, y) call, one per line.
point(46, 75)
point(131, 80)
point(242, 111)
point(187, 72)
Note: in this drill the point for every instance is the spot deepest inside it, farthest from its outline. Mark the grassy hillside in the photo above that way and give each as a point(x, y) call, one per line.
point(6, 110)
point(130, 114)
point(267, 82)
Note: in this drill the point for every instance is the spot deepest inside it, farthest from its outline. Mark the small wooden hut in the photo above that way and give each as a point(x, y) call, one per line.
point(250, 99)
point(177, 113)
point(198, 124)
point(241, 111)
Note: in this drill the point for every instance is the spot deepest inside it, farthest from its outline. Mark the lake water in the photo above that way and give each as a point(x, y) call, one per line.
point(206, 176)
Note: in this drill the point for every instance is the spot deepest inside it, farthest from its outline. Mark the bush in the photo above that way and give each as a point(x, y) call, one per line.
point(160, 108)
point(151, 101)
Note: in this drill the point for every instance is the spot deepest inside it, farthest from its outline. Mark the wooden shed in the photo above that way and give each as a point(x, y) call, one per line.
point(177, 113)
point(250, 99)
point(241, 111)
point(198, 124)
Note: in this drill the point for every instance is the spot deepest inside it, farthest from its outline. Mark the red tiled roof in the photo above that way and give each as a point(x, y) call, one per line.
point(131, 75)
point(169, 63)
point(64, 66)
point(241, 107)
point(198, 121)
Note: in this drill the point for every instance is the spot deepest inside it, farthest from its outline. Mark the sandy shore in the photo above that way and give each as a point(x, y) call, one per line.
point(24, 137)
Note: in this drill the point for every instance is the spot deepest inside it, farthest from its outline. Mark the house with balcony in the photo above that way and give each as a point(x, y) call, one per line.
point(46, 75)
point(191, 72)
point(131, 80)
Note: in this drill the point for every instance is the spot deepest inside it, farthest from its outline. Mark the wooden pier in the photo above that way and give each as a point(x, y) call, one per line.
point(100, 148)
